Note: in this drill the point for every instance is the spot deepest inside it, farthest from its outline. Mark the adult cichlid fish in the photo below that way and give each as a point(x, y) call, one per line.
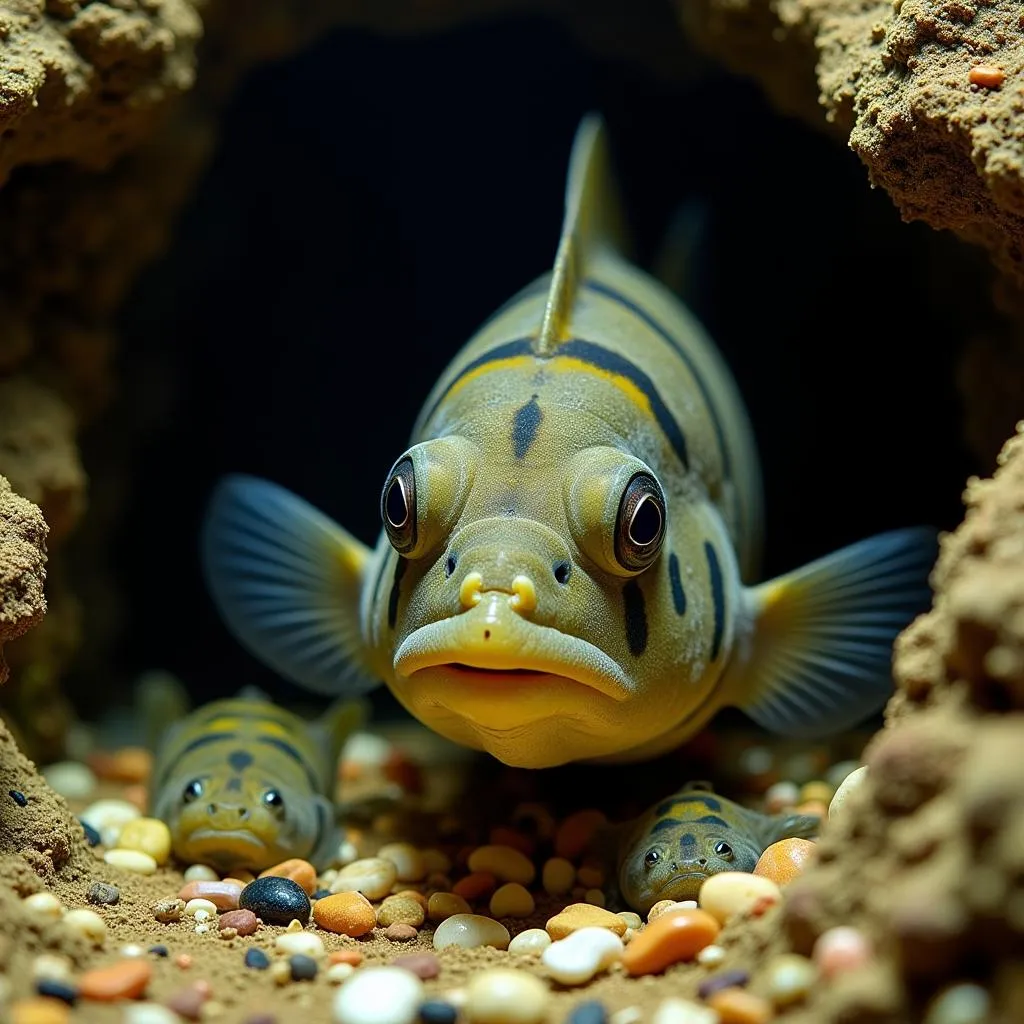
point(567, 543)
point(242, 783)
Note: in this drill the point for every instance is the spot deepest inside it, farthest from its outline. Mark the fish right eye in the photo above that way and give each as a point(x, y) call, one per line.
point(651, 858)
point(398, 506)
point(192, 791)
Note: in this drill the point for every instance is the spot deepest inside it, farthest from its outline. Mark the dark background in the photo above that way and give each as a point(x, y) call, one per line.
point(374, 199)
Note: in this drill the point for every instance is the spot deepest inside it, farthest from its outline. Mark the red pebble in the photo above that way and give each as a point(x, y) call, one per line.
point(400, 932)
point(424, 965)
point(188, 1002)
point(243, 921)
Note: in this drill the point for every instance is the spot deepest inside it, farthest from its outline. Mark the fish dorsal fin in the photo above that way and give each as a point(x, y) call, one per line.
point(593, 222)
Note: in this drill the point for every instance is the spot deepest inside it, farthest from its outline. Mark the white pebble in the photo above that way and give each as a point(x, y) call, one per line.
point(52, 967)
point(379, 995)
point(131, 860)
point(732, 893)
point(682, 1011)
point(575, 959)
point(347, 853)
point(470, 931)
point(627, 1015)
point(846, 787)
point(198, 906)
point(108, 817)
point(632, 920)
point(87, 924)
point(685, 905)
point(72, 779)
point(372, 876)
point(366, 749)
point(531, 942)
point(132, 951)
point(501, 995)
point(149, 1013)
point(965, 1003)
point(834, 776)
point(337, 973)
point(201, 873)
point(44, 906)
point(202, 928)
point(781, 796)
point(711, 956)
point(303, 943)
point(408, 861)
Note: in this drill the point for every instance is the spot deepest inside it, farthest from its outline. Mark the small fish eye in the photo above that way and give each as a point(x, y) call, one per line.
point(449, 566)
point(273, 800)
point(640, 528)
point(651, 857)
point(562, 570)
point(723, 850)
point(192, 791)
point(398, 506)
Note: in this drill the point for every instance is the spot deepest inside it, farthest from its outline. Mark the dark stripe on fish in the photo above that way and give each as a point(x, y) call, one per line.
point(688, 840)
point(199, 741)
point(507, 350)
point(612, 362)
point(239, 760)
point(636, 618)
point(396, 583)
point(524, 427)
point(642, 314)
point(678, 594)
point(717, 598)
point(687, 798)
point(665, 823)
point(293, 752)
point(712, 819)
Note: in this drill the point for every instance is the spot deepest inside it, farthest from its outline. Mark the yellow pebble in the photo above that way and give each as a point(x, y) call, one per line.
point(816, 790)
point(504, 862)
point(442, 905)
point(131, 860)
point(147, 835)
point(511, 900)
point(558, 876)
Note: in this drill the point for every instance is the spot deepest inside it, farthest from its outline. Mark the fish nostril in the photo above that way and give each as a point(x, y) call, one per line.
point(562, 571)
point(703, 862)
point(211, 808)
point(449, 566)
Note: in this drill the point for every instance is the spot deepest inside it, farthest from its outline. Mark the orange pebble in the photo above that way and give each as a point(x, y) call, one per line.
point(183, 960)
point(502, 836)
point(300, 871)
point(241, 876)
point(137, 795)
point(735, 1006)
point(785, 860)
point(987, 76)
point(346, 956)
point(818, 807)
point(39, 1011)
point(129, 764)
point(475, 886)
point(345, 913)
point(350, 771)
point(674, 936)
point(127, 979)
point(574, 834)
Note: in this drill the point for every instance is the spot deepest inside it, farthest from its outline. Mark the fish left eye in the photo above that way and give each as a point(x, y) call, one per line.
point(274, 800)
point(640, 527)
point(651, 858)
point(723, 850)
point(398, 506)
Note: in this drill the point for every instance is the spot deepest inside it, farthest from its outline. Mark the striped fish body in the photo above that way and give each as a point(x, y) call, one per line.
point(245, 784)
point(668, 852)
point(568, 540)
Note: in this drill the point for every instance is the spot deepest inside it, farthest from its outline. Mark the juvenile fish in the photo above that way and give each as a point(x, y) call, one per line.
point(666, 853)
point(569, 543)
point(242, 783)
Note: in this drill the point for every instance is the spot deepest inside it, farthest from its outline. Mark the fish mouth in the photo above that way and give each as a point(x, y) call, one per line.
point(690, 890)
point(494, 648)
point(224, 845)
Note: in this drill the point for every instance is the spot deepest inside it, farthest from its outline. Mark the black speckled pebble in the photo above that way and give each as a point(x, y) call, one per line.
point(157, 950)
point(102, 894)
point(257, 959)
point(436, 1012)
point(303, 967)
point(718, 982)
point(92, 837)
point(57, 990)
point(590, 1012)
point(19, 798)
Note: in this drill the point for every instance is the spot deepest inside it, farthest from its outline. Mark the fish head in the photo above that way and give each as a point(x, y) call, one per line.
point(239, 821)
point(531, 613)
point(671, 859)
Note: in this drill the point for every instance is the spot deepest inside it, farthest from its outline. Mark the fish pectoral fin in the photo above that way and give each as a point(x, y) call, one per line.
point(790, 826)
point(286, 579)
point(821, 656)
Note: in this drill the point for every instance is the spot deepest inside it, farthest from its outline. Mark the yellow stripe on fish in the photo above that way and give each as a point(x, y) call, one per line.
point(242, 783)
point(569, 543)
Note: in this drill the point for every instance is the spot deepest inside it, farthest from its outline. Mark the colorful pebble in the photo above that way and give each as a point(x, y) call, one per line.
point(372, 876)
point(378, 995)
point(789, 979)
point(531, 942)
point(223, 895)
point(584, 915)
point(735, 1006)
point(40, 1010)
point(470, 931)
point(590, 1012)
point(846, 787)
point(840, 949)
point(511, 900)
point(131, 860)
point(424, 965)
point(126, 979)
point(301, 944)
point(504, 862)
point(500, 995)
point(727, 979)
point(785, 860)
point(147, 835)
point(732, 893)
point(102, 894)
point(256, 959)
point(345, 913)
point(679, 935)
point(436, 1012)
point(244, 922)
point(583, 954)
point(298, 870)
point(302, 967)
point(276, 900)
point(87, 925)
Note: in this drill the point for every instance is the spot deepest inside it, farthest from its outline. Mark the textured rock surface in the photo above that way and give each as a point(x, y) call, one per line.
point(895, 80)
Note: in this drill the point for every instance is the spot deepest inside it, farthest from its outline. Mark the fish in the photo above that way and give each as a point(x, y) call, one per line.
point(565, 569)
point(667, 852)
point(243, 783)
